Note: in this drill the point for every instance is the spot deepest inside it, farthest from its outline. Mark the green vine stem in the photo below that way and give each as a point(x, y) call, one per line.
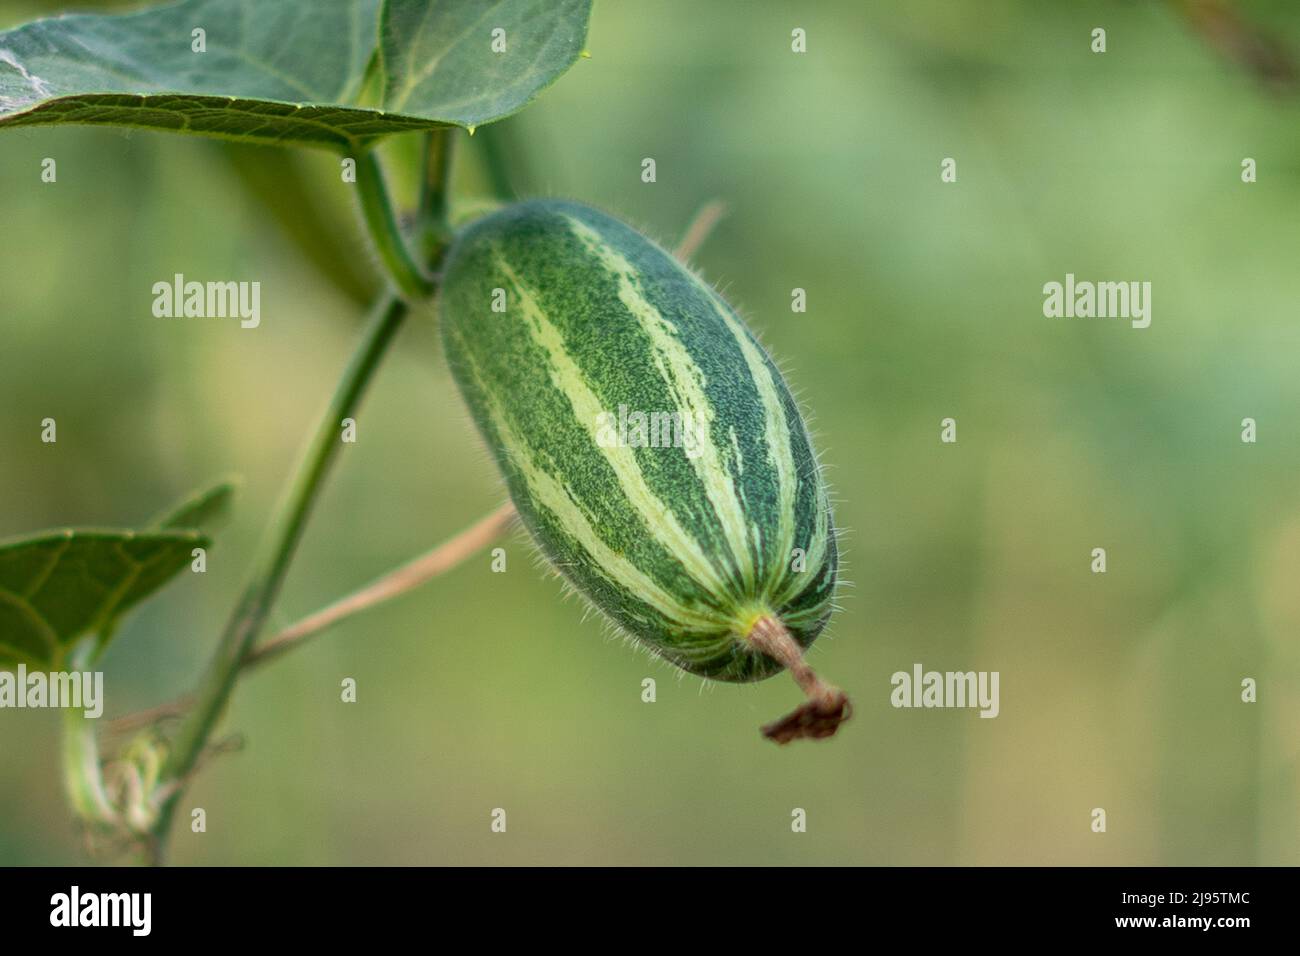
point(246, 623)
point(381, 223)
point(500, 147)
point(82, 776)
point(433, 215)
point(250, 614)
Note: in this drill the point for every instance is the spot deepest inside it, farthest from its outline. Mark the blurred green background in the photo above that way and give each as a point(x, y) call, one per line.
point(484, 690)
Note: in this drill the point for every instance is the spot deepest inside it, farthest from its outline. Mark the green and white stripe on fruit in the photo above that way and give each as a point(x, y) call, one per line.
point(721, 560)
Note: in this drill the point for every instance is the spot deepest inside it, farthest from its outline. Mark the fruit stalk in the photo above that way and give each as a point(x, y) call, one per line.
point(827, 705)
point(377, 210)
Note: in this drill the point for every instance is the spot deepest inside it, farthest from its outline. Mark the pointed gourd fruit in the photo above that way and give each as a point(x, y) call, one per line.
point(650, 444)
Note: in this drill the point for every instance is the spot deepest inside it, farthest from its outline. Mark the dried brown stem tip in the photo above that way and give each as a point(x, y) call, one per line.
point(827, 706)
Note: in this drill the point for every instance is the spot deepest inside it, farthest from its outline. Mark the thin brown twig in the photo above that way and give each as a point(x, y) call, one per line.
point(705, 220)
point(138, 720)
point(411, 575)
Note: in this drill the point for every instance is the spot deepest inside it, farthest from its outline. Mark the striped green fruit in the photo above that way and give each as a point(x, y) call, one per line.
point(685, 532)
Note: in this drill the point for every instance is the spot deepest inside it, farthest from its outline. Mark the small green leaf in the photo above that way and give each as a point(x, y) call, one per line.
point(60, 586)
point(202, 511)
point(291, 71)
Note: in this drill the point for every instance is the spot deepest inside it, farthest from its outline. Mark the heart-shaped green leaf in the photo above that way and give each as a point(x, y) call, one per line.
point(58, 587)
point(289, 71)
